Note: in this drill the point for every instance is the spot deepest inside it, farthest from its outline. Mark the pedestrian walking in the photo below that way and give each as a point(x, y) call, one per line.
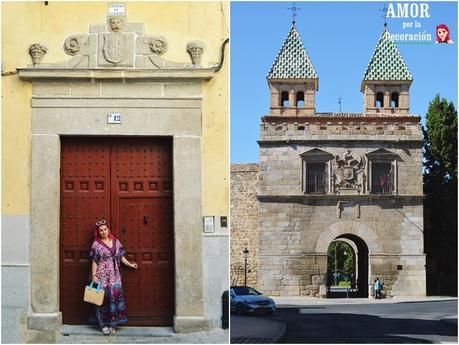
point(378, 288)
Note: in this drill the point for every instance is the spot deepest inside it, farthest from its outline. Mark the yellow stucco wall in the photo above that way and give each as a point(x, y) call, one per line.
point(24, 23)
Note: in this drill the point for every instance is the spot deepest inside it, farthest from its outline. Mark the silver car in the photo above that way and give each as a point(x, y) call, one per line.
point(246, 299)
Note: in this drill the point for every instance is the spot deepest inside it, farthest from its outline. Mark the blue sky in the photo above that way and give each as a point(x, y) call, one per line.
point(340, 38)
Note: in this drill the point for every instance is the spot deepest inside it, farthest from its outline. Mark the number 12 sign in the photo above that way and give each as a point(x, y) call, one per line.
point(114, 118)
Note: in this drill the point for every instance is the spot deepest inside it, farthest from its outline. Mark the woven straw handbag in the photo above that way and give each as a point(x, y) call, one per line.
point(94, 295)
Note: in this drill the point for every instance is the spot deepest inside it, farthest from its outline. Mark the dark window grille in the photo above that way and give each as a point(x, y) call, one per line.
point(315, 178)
point(382, 178)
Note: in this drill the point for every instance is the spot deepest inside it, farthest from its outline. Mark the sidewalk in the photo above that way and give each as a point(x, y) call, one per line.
point(140, 335)
point(299, 301)
point(255, 329)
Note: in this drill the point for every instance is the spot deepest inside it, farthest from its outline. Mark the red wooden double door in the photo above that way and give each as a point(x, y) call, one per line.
point(128, 181)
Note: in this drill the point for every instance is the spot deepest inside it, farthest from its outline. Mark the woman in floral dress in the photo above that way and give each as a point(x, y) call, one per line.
point(106, 254)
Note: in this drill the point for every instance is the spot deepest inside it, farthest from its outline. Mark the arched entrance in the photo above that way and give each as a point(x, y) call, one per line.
point(347, 267)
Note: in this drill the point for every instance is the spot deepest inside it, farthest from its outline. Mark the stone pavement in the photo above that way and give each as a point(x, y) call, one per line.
point(140, 335)
point(255, 329)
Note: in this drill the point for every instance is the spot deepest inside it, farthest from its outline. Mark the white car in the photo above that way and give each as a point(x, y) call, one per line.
point(245, 299)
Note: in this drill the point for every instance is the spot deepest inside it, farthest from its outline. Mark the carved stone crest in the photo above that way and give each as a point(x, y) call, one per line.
point(118, 44)
point(115, 47)
point(346, 171)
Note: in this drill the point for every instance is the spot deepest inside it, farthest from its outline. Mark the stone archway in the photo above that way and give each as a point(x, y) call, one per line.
point(364, 242)
point(362, 266)
point(352, 228)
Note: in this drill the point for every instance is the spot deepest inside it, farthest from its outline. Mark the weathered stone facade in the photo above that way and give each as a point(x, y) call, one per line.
point(321, 180)
point(244, 223)
point(296, 229)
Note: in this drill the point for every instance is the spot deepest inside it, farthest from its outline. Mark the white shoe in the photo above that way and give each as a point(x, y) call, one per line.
point(106, 330)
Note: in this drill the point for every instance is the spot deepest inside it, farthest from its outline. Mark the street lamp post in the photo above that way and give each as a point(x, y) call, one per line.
point(245, 252)
point(335, 264)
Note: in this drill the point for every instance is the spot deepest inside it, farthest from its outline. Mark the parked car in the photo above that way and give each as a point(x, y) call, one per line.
point(245, 299)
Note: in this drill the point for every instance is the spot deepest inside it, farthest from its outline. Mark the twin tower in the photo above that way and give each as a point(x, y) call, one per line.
point(293, 81)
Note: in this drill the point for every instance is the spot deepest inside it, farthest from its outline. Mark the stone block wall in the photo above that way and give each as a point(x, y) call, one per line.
point(295, 233)
point(281, 164)
point(244, 222)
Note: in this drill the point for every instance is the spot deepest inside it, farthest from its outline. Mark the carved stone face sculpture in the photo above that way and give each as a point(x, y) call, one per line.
point(36, 52)
point(116, 23)
point(195, 49)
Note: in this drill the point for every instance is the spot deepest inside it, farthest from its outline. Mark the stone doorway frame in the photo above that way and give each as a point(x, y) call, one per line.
point(65, 102)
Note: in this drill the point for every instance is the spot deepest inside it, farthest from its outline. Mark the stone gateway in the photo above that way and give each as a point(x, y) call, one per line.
point(327, 177)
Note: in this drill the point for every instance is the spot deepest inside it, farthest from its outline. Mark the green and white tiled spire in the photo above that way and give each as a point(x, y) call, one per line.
point(293, 61)
point(386, 62)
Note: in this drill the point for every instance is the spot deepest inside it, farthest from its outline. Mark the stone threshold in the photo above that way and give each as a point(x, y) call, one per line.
point(87, 330)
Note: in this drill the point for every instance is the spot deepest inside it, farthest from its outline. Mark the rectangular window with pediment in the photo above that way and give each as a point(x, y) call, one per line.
point(382, 172)
point(382, 178)
point(316, 174)
point(315, 177)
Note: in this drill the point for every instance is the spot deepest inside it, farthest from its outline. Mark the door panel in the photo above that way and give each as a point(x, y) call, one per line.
point(98, 176)
point(147, 236)
point(85, 197)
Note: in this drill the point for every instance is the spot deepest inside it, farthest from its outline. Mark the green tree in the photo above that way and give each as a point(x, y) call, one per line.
point(440, 204)
point(342, 256)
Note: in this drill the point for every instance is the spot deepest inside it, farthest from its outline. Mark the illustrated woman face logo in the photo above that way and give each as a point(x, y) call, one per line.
point(442, 32)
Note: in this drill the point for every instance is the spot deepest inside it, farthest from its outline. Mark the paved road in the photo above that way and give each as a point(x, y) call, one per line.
point(406, 322)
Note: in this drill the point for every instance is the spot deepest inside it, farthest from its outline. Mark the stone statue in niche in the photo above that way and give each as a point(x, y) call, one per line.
point(347, 174)
point(36, 52)
point(117, 44)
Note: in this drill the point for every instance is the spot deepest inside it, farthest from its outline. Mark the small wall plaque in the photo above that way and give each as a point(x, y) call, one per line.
point(209, 224)
point(117, 9)
point(114, 118)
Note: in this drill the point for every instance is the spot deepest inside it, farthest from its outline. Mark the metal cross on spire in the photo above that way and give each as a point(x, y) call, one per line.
point(339, 102)
point(384, 10)
point(294, 9)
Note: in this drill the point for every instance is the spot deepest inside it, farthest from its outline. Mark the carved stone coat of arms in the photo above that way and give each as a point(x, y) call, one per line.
point(115, 47)
point(346, 171)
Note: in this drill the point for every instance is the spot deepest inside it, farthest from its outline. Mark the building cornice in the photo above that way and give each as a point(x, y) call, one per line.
point(121, 75)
